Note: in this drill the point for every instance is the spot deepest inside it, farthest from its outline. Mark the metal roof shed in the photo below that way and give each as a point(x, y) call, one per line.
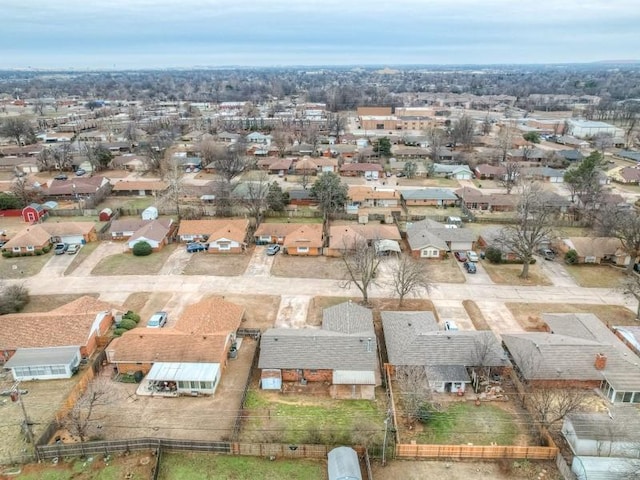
point(190, 378)
point(47, 363)
point(344, 464)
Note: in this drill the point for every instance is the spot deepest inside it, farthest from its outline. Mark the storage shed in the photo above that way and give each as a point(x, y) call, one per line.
point(34, 213)
point(150, 213)
point(44, 363)
point(188, 378)
point(344, 464)
point(105, 214)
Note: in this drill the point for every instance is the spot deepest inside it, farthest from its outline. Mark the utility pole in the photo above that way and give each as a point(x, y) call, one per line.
point(16, 396)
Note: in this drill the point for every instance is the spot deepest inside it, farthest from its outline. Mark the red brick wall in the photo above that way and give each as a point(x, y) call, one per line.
point(292, 375)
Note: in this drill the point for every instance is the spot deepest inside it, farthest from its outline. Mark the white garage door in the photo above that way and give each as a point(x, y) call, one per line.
point(460, 246)
point(70, 239)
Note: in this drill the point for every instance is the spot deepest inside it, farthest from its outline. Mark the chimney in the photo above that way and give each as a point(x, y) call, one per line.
point(601, 361)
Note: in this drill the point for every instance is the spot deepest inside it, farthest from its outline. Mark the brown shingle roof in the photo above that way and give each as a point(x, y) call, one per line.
point(341, 236)
point(67, 325)
point(35, 235)
point(233, 229)
point(69, 228)
point(309, 235)
point(127, 186)
point(276, 229)
point(211, 316)
point(83, 186)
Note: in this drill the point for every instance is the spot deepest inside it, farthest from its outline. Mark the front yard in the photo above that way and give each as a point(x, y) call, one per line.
point(443, 271)
point(218, 264)
point(128, 264)
point(593, 276)
point(22, 267)
point(509, 274)
point(311, 418)
point(308, 267)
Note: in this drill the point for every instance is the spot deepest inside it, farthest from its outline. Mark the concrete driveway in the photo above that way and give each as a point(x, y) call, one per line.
point(56, 266)
point(105, 249)
point(499, 317)
point(293, 311)
point(555, 271)
point(176, 262)
point(260, 263)
point(453, 310)
point(481, 277)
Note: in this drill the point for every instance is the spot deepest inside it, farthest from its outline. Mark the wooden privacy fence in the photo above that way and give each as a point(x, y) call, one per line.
point(475, 451)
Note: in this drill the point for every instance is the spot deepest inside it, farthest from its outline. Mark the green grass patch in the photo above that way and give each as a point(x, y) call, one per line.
point(22, 267)
point(464, 422)
point(128, 264)
point(311, 419)
point(192, 466)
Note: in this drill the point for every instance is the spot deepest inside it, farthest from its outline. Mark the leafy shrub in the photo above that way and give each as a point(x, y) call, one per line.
point(119, 331)
point(127, 324)
point(132, 316)
point(7, 254)
point(13, 298)
point(425, 413)
point(493, 254)
point(142, 249)
point(46, 249)
point(39, 252)
point(571, 257)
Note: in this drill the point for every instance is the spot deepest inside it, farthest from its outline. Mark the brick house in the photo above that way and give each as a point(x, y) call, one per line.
point(343, 353)
point(307, 240)
point(222, 235)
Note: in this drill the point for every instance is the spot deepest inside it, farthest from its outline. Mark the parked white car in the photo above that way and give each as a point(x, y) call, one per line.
point(472, 256)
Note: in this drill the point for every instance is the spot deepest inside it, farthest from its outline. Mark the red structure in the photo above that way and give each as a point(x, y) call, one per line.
point(34, 213)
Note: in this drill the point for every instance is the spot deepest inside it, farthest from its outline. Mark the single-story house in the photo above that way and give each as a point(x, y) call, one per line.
point(368, 170)
point(629, 155)
point(342, 353)
point(545, 174)
point(189, 356)
point(155, 232)
point(578, 351)
point(474, 199)
point(597, 250)
point(429, 197)
point(364, 196)
point(124, 228)
point(301, 197)
point(599, 434)
point(458, 172)
point(526, 154)
point(267, 233)
point(489, 172)
point(307, 239)
point(77, 187)
point(223, 235)
point(396, 166)
point(39, 337)
point(570, 155)
point(139, 188)
point(490, 237)
point(71, 232)
point(431, 239)
point(28, 241)
point(343, 237)
point(131, 163)
point(453, 360)
point(627, 175)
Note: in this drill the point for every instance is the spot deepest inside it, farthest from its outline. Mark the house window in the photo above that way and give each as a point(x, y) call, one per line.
point(16, 249)
point(430, 253)
point(626, 398)
point(30, 248)
point(224, 246)
point(379, 126)
point(313, 372)
point(303, 249)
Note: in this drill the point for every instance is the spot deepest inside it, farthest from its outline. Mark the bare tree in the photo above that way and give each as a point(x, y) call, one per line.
point(82, 420)
point(223, 199)
point(255, 195)
point(281, 139)
point(304, 179)
point(46, 160)
point(13, 298)
point(408, 277)
point(511, 176)
point(18, 128)
point(312, 137)
point(462, 132)
point(173, 173)
point(97, 155)
point(336, 123)
point(435, 137)
point(63, 156)
point(531, 228)
point(630, 286)
point(602, 141)
point(413, 386)
point(230, 162)
point(550, 405)
point(24, 191)
point(505, 140)
point(624, 225)
point(156, 148)
point(361, 261)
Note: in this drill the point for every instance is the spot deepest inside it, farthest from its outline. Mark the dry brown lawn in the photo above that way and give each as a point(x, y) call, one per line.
point(475, 314)
point(308, 267)
point(261, 310)
point(529, 315)
point(223, 265)
point(596, 276)
point(45, 303)
point(509, 274)
point(22, 267)
point(129, 264)
point(443, 271)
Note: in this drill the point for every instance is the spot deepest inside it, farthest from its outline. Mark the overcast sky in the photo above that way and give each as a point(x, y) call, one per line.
point(185, 33)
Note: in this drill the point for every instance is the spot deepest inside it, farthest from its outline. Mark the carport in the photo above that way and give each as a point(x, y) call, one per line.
point(183, 378)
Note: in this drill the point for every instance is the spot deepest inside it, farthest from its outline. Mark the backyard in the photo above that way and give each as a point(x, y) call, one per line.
point(311, 418)
point(529, 315)
point(194, 466)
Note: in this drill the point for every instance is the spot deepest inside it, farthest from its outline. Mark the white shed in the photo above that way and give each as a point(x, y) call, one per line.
point(150, 213)
point(604, 468)
point(48, 363)
point(344, 464)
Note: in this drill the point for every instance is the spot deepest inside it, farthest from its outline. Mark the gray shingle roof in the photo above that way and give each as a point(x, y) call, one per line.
point(417, 343)
point(623, 421)
point(429, 194)
point(447, 373)
point(348, 317)
point(431, 233)
point(306, 348)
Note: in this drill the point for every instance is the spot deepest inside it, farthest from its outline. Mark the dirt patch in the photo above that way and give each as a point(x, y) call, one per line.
point(223, 265)
point(135, 466)
point(308, 267)
point(475, 314)
point(509, 274)
point(529, 315)
point(464, 470)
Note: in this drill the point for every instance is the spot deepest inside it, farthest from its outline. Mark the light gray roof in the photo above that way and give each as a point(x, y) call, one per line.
point(431, 233)
point(307, 348)
point(416, 343)
point(348, 317)
point(429, 194)
point(34, 357)
point(441, 168)
point(447, 373)
point(624, 421)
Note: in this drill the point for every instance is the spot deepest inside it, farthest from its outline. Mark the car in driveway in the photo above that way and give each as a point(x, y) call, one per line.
point(157, 320)
point(547, 254)
point(470, 267)
point(461, 256)
point(273, 249)
point(472, 256)
point(80, 172)
point(60, 248)
point(196, 247)
point(60, 176)
point(73, 249)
